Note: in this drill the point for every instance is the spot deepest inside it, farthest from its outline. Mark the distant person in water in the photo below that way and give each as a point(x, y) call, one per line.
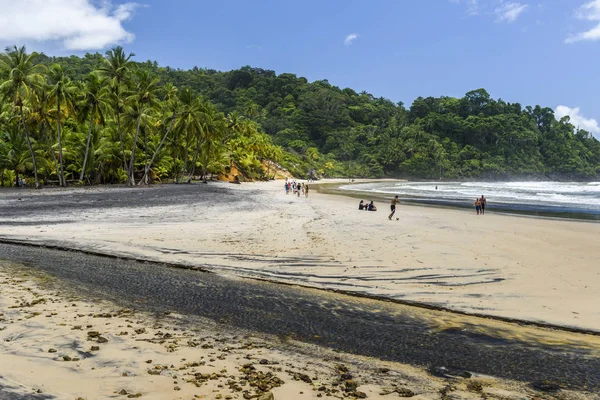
point(372, 206)
point(393, 207)
point(361, 205)
point(482, 204)
point(477, 206)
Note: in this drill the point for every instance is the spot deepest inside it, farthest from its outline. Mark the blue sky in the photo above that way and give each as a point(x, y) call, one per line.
point(543, 52)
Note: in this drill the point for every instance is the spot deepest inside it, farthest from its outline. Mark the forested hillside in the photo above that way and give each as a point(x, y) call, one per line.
point(306, 126)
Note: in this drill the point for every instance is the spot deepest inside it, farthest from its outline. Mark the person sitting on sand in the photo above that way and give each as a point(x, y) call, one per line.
point(477, 206)
point(372, 206)
point(361, 205)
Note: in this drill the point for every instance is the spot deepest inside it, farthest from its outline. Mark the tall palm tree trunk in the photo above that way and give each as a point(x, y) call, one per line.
point(193, 168)
point(205, 166)
point(131, 162)
point(50, 149)
point(35, 174)
point(162, 141)
point(118, 111)
point(185, 161)
point(87, 144)
point(60, 152)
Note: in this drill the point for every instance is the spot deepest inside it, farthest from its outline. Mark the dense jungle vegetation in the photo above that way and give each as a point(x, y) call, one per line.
point(106, 118)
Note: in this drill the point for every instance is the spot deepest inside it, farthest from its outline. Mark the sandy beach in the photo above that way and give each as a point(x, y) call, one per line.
point(60, 340)
point(513, 267)
point(57, 344)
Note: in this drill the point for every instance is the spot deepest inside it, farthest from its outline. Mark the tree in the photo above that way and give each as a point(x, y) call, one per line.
point(116, 66)
point(144, 99)
point(13, 153)
point(21, 79)
point(62, 92)
point(93, 105)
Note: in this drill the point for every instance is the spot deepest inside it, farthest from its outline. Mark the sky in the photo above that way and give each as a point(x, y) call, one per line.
point(544, 52)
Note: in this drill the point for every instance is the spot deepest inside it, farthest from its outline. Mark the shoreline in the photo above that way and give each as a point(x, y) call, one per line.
point(537, 212)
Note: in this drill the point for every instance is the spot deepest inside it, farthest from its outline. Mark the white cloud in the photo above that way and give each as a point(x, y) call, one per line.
point(509, 12)
point(74, 24)
point(578, 120)
point(350, 39)
point(590, 11)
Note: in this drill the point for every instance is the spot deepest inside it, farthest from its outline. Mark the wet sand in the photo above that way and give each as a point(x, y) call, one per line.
point(75, 325)
point(538, 270)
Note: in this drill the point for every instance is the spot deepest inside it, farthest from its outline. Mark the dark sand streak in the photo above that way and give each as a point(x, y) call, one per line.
point(361, 326)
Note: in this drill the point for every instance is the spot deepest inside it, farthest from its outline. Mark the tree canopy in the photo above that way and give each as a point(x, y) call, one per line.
point(115, 119)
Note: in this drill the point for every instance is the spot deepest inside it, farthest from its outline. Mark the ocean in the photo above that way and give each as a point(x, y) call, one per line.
point(551, 199)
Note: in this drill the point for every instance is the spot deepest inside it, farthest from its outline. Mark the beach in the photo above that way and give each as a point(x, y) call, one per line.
point(169, 332)
point(538, 270)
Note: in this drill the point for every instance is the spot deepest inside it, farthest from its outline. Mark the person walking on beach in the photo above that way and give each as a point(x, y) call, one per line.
point(306, 191)
point(477, 206)
point(393, 207)
point(483, 202)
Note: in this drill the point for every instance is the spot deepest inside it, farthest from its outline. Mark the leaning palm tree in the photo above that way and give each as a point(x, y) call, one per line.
point(21, 78)
point(95, 100)
point(170, 111)
point(62, 92)
point(143, 100)
point(117, 66)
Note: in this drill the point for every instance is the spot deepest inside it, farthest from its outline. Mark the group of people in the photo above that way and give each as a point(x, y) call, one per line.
point(367, 207)
point(296, 188)
point(480, 204)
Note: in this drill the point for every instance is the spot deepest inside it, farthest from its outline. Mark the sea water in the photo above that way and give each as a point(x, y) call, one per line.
point(562, 199)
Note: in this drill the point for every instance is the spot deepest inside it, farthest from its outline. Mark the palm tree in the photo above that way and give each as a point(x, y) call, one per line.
point(117, 66)
point(172, 105)
point(62, 91)
point(214, 128)
point(95, 100)
point(21, 79)
point(13, 153)
point(41, 115)
point(144, 99)
point(188, 122)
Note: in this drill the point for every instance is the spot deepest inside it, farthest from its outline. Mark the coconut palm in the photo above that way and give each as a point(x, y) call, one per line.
point(171, 107)
point(13, 153)
point(117, 67)
point(94, 103)
point(21, 78)
point(63, 92)
point(143, 100)
point(189, 124)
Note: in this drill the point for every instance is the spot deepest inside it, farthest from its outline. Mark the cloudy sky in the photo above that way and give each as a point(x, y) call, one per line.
point(543, 52)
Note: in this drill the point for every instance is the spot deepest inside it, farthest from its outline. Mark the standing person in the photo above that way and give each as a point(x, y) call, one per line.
point(477, 206)
point(306, 191)
point(302, 188)
point(287, 187)
point(483, 203)
point(393, 207)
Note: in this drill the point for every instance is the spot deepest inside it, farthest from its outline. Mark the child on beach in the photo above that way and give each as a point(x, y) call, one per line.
point(477, 206)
